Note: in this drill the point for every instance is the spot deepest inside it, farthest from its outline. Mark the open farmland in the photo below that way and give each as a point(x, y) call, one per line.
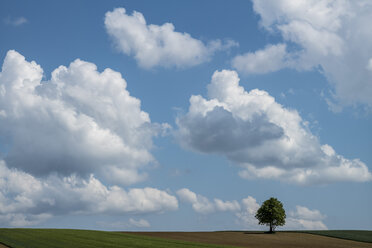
point(61, 238)
point(260, 239)
point(358, 235)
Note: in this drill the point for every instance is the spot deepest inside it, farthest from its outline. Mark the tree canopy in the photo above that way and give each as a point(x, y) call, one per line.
point(271, 213)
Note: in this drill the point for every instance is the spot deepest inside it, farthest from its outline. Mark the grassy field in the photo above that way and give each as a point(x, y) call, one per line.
point(357, 235)
point(48, 238)
point(40, 238)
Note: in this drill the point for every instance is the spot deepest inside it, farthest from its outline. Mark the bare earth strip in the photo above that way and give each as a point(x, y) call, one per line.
point(3, 246)
point(259, 240)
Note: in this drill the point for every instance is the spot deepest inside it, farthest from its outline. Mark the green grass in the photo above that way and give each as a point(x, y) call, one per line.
point(356, 235)
point(48, 238)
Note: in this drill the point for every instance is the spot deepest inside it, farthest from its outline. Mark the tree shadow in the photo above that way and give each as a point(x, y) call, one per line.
point(258, 232)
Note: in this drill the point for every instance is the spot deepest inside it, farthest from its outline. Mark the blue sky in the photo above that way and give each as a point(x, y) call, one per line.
point(185, 115)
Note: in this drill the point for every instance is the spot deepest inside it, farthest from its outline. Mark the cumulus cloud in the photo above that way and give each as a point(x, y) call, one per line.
point(153, 45)
point(269, 59)
point(300, 219)
point(199, 203)
point(203, 205)
point(80, 121)
point(304, 218)
point(307, 214)
point(264, 138)
point(246, 216)
point(244, 212)
point(226, 205)
point(22, 220)
point(334, 35)
point(28, 200)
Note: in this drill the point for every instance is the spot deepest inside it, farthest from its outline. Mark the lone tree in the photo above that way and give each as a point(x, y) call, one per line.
point(271, 213)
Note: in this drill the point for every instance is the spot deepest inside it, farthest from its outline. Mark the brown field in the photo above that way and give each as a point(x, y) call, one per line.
point(259, 240)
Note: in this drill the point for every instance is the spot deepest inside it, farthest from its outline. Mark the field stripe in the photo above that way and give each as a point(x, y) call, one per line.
point(355, 235)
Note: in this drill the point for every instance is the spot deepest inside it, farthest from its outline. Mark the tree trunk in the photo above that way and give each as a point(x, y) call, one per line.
point(271, 227)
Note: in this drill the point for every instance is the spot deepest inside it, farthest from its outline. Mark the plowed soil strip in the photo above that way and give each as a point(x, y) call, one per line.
point(259, 240)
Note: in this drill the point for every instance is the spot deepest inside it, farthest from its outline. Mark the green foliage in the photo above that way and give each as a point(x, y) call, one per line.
point(62, 238)
point(271, 213)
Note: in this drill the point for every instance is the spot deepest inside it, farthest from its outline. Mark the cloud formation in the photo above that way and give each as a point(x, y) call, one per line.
point(305, 219)
point(139, 223)
point(27, 200)
point(334, 35)
point(81, 121)
point(153, 45)
point(244, 212)
point(246, 216)
point(271, 58)
point(203, 205)
point(264, 138)
point(301, 219)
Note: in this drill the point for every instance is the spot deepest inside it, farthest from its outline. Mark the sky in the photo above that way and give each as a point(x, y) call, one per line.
point(185, 115)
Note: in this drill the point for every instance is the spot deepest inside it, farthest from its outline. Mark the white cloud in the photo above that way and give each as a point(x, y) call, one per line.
point(246, 217)
point(307, 224)
point(334, 35)
point(22, 220)
point(307, 214)
point(224, 206)
point(264, 138)
point(304, 218)
point(80, 121)
point(250, 205)
point(203, 205)
point(187, 195)
point(27, 200)
point(154, 45)
point(18, 21)
point(244, 212)
point(139, 223)
point(301, 219)
point(199, 203)
point(65, 133)
point(271, 58)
